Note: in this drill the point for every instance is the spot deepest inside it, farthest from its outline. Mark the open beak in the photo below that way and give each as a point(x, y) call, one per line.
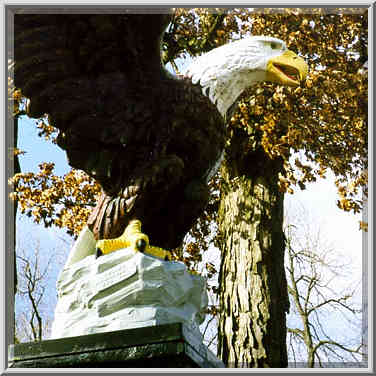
point(287, 69)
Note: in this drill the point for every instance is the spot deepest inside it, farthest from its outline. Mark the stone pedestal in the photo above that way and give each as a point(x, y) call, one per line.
point(123, 309)
point(160, 346)
point(126, 289)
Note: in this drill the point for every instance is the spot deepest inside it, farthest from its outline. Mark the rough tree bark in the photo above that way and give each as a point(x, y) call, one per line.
point(253, 288)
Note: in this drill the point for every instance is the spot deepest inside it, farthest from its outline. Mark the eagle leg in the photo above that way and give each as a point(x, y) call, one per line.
point(137, 200)
point(187, 207)
point(133, 238)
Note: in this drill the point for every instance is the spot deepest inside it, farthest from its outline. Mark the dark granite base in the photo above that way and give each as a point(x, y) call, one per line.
point(162, 346)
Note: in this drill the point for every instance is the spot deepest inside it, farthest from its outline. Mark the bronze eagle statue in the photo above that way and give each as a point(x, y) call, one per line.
point(151, 140)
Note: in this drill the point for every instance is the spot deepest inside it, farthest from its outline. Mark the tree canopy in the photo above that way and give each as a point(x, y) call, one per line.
point(324, 120)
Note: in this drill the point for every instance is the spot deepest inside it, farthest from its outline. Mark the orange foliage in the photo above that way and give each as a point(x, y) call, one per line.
point(53, 200)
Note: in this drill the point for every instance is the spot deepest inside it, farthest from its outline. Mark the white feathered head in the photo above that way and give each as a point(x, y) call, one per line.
point(225, 72)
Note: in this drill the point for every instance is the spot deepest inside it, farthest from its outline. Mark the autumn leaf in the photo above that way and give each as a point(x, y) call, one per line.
point(363, 226)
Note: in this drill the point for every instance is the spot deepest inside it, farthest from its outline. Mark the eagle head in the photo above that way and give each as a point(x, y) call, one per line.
point(225, 72)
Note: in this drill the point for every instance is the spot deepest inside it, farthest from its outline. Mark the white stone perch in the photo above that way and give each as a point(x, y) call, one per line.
point(126, 289)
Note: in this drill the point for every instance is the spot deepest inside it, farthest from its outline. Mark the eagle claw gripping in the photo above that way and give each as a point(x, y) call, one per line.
point(131, 238)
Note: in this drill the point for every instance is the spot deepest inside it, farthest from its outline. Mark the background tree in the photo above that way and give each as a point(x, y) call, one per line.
point(259, 167)
point(36, 294)
point(15, 107)
point(62, 201)
point(325, 318)
point(324, 121)
point(321, 292)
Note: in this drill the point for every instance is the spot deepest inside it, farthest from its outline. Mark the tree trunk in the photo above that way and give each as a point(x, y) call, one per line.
point(253, 288)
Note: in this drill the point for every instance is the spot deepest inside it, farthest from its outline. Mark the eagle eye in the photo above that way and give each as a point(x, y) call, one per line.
point(274, 45)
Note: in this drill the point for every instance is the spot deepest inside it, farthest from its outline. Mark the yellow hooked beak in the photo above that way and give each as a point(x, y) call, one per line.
point(286, 69)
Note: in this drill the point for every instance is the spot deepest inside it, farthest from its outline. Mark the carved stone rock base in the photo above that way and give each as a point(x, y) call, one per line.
point(126, 289)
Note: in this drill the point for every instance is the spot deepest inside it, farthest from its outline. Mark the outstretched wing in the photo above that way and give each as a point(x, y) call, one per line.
point(150, 140)
point(93, 75)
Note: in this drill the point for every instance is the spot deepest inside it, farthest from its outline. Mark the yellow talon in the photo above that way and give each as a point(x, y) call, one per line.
point(159, 252)
point(131, 238)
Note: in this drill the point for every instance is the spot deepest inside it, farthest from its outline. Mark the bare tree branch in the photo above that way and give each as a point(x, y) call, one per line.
point(33, 280)
point(312, 275)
